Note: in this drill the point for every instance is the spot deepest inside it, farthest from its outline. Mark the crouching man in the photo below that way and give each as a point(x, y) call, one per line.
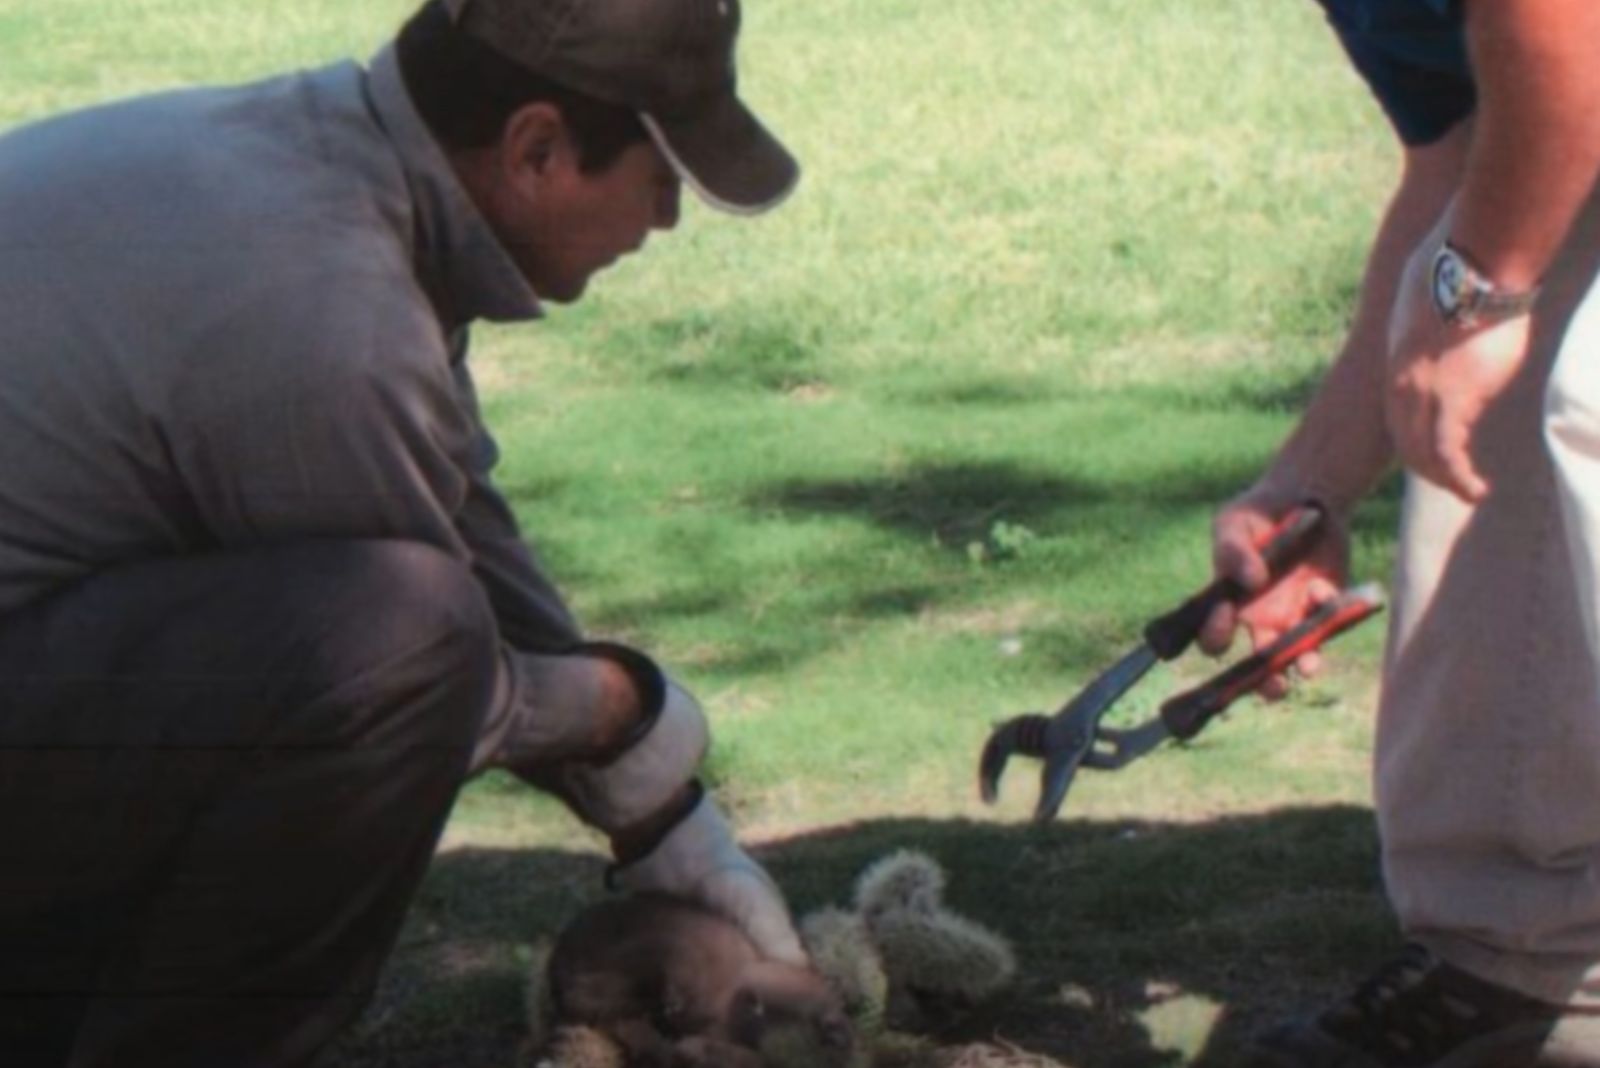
point(261, 609)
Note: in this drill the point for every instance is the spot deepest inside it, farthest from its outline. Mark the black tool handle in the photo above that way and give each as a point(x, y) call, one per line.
point(1287, 544)
point(1187, 714)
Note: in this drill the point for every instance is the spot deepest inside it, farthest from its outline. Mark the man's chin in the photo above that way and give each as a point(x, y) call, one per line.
point(565, 294)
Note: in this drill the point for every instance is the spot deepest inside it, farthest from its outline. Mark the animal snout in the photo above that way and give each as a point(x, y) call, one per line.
point(835, 1032)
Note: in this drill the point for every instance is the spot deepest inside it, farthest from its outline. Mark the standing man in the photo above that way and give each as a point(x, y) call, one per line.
point(1474, 356)
point(261, 607)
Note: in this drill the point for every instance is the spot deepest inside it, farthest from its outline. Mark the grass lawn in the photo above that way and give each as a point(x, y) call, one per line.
point(919, 451)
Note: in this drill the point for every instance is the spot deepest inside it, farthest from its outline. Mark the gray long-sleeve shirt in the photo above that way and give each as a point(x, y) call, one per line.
point(230, 317)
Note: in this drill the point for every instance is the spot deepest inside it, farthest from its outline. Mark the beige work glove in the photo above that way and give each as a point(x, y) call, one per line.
point(696, 857)
point(655, 764)
point(700, 860)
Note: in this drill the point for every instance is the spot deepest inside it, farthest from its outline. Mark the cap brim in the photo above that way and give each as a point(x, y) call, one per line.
point(726, 156)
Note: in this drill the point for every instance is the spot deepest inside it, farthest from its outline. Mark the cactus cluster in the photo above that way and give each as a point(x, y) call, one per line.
point(930, 958)
point(841, 949)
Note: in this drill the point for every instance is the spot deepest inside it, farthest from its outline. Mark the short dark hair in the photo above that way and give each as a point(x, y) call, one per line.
point(466, 92)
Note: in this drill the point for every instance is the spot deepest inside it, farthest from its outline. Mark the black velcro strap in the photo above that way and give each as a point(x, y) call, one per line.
point(693, 794)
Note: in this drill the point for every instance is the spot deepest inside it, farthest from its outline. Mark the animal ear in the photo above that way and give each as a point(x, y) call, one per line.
point(747, 1002)
point(672, 1004)
point(747, 1016)
point(670, 1012)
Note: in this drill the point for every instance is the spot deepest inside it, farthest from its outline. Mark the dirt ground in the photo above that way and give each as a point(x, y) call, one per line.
point(1140, 944)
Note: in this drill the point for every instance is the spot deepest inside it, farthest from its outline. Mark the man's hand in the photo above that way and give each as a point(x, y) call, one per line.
point(1441, 378)
point(1241, 526)
point(665, 833)
point(699, 859)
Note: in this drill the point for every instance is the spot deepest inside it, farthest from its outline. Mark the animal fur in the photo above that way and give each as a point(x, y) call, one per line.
point(677, 986)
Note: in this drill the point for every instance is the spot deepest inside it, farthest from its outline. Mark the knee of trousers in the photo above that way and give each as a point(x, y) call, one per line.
point(405, 636)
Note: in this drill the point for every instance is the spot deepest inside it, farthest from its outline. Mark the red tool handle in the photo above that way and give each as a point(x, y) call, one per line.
point(1285, 546)
point(1187, 714)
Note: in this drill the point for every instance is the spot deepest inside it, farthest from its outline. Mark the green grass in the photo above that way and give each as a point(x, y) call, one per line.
point(921, 450)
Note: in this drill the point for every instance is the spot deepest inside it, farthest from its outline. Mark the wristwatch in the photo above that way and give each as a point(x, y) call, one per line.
point(1463, 296)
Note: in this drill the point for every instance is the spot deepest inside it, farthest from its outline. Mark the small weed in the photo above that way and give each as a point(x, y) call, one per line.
point(1005, 541)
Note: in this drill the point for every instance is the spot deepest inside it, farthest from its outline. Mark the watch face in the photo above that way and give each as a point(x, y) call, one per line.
point(1449, 276)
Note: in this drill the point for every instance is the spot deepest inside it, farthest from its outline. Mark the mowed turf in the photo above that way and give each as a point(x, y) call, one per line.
point(921, 450)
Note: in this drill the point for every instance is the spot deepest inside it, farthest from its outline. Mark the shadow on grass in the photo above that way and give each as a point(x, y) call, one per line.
point(957, 502)
point(984, 391)
point(1032, 531)
point(1137, 940)
point(1288, 393)
point(762, 351)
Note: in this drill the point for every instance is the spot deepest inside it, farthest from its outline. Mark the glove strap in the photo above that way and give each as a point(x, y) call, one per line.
point(632, 784)
point(694, 793)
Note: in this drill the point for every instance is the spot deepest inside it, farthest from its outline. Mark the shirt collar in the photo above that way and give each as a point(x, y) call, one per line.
point(465, 269)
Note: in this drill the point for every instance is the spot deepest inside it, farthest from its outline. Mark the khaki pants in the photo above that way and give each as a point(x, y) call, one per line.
point(1488, 750)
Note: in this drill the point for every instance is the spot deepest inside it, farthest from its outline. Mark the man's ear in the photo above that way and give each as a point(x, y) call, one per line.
point(534, 146)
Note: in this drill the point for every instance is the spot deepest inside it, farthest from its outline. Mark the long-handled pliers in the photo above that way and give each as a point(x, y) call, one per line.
point(1073, 737)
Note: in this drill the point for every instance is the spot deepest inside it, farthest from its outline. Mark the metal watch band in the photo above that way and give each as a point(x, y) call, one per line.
point(1464, 296)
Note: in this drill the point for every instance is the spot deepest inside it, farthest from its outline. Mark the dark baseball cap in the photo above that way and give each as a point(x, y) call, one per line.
point(669, 60)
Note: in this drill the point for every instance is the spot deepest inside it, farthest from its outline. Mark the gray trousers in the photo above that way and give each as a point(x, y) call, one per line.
point(221, 780)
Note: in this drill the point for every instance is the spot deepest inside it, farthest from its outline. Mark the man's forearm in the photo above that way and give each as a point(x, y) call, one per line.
point(1536, 150)
point(1341, 447)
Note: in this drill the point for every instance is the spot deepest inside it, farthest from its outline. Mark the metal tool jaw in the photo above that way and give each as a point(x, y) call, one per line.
point(1065, 740)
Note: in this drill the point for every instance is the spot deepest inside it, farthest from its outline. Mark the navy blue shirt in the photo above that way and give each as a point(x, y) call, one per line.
point(1413, 53)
